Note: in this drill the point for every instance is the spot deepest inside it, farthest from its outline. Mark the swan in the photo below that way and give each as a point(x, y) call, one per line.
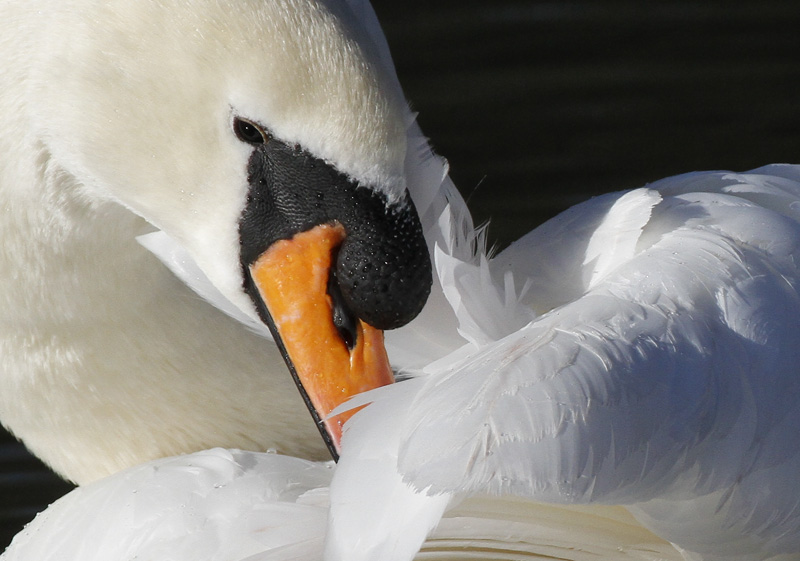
point(109, 360)
point(635, 351)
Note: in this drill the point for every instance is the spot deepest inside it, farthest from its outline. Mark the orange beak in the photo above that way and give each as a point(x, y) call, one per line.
point(293, 278)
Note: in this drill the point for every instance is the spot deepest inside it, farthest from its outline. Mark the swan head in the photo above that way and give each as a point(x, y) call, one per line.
point(244, 130)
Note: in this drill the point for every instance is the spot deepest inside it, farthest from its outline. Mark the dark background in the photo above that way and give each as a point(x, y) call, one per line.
point(539, 105)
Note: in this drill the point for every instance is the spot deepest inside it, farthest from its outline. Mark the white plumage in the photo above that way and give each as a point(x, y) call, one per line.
point(667, 385)
point(638, 350)
point(650, 385)
point(233, 505)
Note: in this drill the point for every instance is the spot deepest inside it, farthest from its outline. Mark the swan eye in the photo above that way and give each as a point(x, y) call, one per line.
point(248, 132)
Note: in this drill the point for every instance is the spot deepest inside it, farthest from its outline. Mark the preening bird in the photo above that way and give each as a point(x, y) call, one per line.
point(638, 350)
point(228, 127)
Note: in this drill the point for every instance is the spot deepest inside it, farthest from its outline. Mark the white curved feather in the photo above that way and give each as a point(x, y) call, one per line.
point(614, 241)
point(361, 527)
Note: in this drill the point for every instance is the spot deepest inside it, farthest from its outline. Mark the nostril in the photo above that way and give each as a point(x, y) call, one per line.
point(343, 318)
